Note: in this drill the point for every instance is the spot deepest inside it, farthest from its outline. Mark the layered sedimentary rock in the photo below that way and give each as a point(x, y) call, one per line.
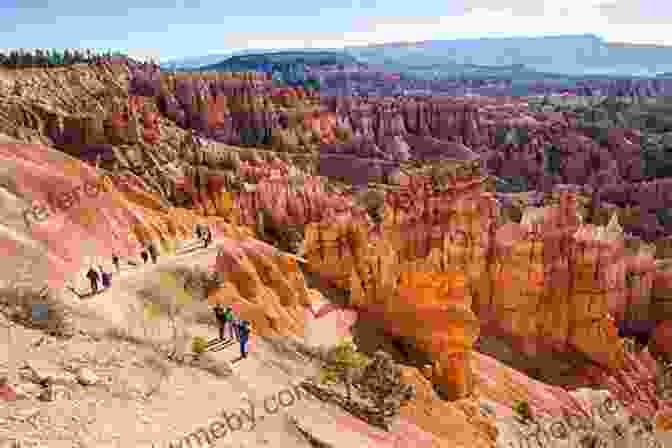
point(549, 282)
point(72, 214)
point(93, 110)
point(661, 340)
point(440, 253)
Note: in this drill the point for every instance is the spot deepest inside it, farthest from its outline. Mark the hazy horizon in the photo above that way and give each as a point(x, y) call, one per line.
point(174, 30)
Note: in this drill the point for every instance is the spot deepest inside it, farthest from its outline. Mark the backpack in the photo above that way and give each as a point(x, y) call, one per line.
point(244, 330)
point(219, 313)
point(228, 316)
point(107, 279)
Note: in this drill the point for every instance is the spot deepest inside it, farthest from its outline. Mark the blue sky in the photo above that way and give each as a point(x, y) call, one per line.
point(165, 29)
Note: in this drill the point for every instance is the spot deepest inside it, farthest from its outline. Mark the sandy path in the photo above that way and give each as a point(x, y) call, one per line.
point(192, 398)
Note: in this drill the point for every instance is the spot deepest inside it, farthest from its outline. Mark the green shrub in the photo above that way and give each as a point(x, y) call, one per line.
point(198, 345)
point(168, 247)
point(344, 365)
point(523, 410)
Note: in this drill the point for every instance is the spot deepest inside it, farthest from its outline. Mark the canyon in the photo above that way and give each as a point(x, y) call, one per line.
point(405, 205)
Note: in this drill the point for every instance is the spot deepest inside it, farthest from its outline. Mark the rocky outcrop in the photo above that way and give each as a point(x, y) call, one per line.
point(263, 286)
point(439, 249)
point(661, 339)
point(548, 283)
point(72, 215)
point(95, 113)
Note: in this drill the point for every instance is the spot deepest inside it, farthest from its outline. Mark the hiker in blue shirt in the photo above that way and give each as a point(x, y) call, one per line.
point(243, 336)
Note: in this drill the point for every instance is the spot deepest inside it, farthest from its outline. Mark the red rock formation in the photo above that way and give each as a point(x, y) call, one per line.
point(661, 340)
point(263, 287)
point(633, 384)
point(71, 215)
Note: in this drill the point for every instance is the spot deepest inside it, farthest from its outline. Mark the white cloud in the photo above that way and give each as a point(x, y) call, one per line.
point(144, 54)
point(488, 18)
point(569, 17)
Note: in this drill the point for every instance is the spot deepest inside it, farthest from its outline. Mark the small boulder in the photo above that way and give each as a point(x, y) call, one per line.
point(8, 392)
point(27, 390)
point(86, 377)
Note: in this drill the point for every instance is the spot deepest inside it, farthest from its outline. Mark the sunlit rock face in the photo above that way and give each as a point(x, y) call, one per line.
point(661, 343)
point(263, 286)
point(549, 282)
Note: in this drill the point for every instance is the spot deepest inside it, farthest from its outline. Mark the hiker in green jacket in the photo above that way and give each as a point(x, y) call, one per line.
point(228, 322)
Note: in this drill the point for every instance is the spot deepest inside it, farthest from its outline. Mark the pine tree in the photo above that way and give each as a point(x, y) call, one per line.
point(57, 57)
point(343, 364)
point(67, 57)
point(40, 59)
point(21, 57)
point(13, 58)
point(77, 56)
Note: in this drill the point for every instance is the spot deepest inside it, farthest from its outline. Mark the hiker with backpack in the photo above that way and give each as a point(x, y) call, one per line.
point(93, 277)
point(219, 315)
point(106, 277)
point(153, 252)
point(209, 237)
point(115, 261)
point(206, 236)
point(229, 321)
point(243, 336)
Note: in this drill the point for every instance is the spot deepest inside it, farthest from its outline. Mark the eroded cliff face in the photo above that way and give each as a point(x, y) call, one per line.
point(440, 268)
point(121, 112)
point(547, 283)
point(264, 287)
point(73, 214)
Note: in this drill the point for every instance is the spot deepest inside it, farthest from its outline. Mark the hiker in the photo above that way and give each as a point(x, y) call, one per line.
point(219, 315)
point(93, 277)
point(199, 234)
point(144, 255)
point(153, 253)
point(115, 261)
point(208, 236)
point(243, 336)
point(229, 321)
point(106, 277)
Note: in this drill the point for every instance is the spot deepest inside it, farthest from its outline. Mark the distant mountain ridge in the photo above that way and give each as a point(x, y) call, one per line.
point(197, 62)
point(575, 55)
point(571, 55)
point(251, 61)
